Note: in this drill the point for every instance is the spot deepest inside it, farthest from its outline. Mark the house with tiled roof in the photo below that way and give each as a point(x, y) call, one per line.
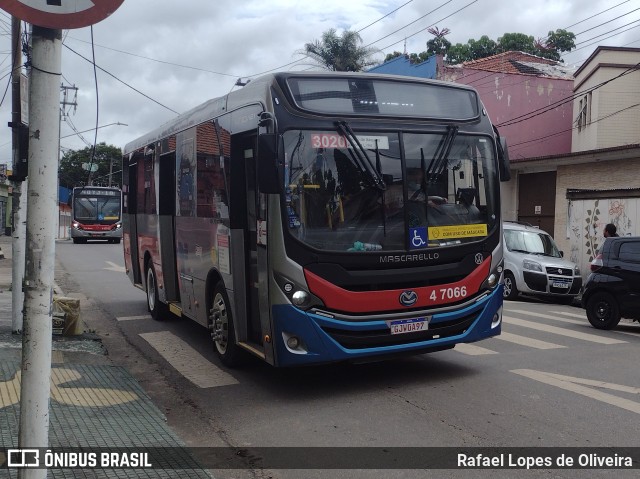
point(529, 99)
point(574, 141)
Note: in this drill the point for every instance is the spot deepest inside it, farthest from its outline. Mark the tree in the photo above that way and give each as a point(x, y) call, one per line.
point(340, 53)
point(413, 57)
point(551, 47)
point(556, 43)
point(74, 166)
point(485, 47)
point(516, 42)
point(438, 44)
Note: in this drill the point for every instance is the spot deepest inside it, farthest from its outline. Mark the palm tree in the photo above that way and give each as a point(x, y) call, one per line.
point(340, 53)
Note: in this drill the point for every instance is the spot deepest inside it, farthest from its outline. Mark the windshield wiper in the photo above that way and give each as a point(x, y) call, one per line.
point(441, 155)
point(364, 162)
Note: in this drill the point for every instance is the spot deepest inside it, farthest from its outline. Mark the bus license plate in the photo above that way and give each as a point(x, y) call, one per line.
point(403, 326)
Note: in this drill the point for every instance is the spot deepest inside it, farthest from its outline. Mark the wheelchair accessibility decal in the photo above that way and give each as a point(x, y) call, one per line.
point(418, 237)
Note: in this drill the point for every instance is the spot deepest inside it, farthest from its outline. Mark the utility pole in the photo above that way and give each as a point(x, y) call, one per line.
point(42, 204)
point(19, 204)
point(45, 60)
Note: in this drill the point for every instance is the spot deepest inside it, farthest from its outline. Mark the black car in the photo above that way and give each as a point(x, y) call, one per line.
point(612, 289)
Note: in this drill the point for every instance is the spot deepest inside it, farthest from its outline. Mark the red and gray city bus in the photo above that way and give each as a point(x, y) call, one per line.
point(96, 214)
point(322, 217)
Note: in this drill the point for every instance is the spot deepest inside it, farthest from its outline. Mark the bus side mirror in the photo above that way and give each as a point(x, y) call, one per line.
point(503, 160)
point(267, 167)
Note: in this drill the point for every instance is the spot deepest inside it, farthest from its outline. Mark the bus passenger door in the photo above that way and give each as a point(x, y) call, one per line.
point(132, 218)
point(252, 278)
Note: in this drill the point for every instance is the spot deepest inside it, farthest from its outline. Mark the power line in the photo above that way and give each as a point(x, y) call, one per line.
point(382, 18)
point(599, 13)
point(410, 23)
point(123, 82)
point(540, 111)
point(535, 140)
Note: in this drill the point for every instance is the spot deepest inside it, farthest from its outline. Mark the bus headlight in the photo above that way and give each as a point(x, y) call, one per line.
point(300, 298)
point(494, 277)
point(297, 293)
point(76, 225)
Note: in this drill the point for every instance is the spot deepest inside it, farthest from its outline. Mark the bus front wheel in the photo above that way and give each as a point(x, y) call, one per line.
point(221, 327)
point(153, 298)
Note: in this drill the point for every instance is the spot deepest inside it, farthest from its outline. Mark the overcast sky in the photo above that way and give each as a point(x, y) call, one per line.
point(181, 53)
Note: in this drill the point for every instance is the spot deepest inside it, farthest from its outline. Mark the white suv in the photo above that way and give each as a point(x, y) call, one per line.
point(534, 265)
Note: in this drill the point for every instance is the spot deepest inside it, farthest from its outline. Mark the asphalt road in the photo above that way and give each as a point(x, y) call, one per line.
point(550, 380)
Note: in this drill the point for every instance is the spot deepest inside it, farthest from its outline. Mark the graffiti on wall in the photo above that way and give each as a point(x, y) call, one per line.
point(586, 222)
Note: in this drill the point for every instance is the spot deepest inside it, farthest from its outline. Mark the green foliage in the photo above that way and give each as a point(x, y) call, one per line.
point(516, 42)
point(438, 45)
point(413, 57)
point(108, 158)
point(556, 43)
point(340, 53)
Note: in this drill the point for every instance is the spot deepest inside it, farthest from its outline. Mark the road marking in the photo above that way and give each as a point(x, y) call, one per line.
point(114, 267)
point(573, 315)
point(132, 318)
point(524, 341)
point(187, 361)
point(473, 350)
point(584, 322)
point(560, 331)
point(579, 386)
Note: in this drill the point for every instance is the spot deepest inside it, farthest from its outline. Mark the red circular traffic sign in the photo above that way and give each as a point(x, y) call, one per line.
point(61, 14)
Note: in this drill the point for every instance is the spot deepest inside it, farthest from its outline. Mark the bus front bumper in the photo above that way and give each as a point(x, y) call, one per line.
point(308, 338)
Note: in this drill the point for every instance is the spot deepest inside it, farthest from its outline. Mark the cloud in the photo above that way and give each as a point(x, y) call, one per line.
point(183, 53)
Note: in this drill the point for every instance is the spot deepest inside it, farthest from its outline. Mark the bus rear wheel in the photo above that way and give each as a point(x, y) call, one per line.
point(221, 328)
point(153, 298)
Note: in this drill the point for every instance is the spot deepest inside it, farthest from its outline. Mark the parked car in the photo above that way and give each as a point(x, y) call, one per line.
point(612, 289)
point(533, 264)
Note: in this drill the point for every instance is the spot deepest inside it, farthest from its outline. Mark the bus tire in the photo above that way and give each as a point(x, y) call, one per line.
point(153, 298)
point(221, 328)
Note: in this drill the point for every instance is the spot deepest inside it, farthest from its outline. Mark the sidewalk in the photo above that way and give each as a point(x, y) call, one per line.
point(94, 404)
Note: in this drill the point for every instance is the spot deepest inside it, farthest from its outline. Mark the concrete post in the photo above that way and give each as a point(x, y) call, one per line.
point(19, 206)
point(18, 259)
point(46, 64)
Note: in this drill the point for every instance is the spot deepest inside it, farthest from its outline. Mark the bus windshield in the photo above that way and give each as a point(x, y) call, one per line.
point(438, 189)
point(96, 208)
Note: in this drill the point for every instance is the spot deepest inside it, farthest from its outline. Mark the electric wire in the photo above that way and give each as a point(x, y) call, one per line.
point(123, 82)
point(382, 18)
point(551, 106)
point(537, 140)
point(95, 77)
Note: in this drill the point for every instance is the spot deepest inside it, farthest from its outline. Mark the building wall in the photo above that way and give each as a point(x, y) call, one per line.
point(613, 113)
point(579, 223)
point(507, 96)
